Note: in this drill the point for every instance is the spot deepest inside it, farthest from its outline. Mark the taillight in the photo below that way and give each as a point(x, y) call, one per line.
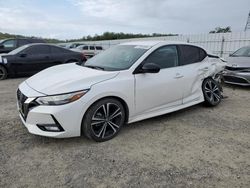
point(84, 57)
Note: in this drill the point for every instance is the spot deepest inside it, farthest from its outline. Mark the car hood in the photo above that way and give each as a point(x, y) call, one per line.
point(67, 78)
point(238, 62)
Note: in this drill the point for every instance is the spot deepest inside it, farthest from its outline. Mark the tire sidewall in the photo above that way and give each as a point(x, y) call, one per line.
point(3, 69)
point(208, 102)
point(86, 123)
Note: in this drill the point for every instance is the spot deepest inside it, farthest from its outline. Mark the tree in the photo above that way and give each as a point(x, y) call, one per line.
point(221, 30)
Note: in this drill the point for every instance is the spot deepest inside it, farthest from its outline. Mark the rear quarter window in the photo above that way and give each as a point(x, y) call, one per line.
point(57, 50)
point(191, 54)
point(38, 49)
point(85, 47)
point(98, 47)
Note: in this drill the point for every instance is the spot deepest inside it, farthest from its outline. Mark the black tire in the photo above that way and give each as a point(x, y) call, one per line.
point(103, 120)
point(212, 92)
point(3, 73)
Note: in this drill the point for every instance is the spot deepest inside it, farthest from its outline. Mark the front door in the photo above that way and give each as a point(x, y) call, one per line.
point(156, 91)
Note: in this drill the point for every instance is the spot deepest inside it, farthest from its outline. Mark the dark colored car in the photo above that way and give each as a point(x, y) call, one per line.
point(237, 70)
point(7, 45)
point(32, 58)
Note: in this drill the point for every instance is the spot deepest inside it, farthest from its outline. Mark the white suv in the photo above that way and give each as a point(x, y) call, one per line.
point(124, 84)
point(89, 50)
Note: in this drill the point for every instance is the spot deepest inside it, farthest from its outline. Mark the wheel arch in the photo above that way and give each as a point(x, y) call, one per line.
point(122, 101)
point(4, 66)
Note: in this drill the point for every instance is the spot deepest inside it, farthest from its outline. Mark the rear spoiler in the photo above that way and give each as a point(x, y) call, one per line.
point(215, 56)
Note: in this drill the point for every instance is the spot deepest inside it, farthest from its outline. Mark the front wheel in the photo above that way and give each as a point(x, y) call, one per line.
point(212, 92)
point(103, 120)
point(3, 73)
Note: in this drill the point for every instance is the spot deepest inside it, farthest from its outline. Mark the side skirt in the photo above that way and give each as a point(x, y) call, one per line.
point(164, 111)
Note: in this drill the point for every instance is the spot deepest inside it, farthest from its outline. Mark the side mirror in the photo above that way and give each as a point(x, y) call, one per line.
point(150, 68)
point(23, 55)
point(1, 46)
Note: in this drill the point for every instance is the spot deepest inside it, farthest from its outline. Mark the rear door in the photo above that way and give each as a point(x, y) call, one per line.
point(34, 59)
point(193, 66)
point(98, 49)
point(58, 55)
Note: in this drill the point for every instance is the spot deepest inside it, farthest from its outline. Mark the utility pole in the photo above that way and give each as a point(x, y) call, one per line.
point(248, 23)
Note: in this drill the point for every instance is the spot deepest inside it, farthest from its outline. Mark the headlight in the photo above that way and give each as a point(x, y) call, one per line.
point(61, 99)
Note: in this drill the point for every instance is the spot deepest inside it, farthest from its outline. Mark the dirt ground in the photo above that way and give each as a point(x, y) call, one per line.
point(195, 147)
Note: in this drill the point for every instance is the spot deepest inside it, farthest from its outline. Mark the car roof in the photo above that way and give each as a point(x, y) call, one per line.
point(151, 43)
point(18, 38)
point(44, 44)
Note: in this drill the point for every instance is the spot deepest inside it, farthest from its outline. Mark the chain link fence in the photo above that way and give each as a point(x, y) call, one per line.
point(221, 44)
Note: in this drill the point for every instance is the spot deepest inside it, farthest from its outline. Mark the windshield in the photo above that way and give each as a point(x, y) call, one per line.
point(242, 52)
point(120, 57)
point(13, 52)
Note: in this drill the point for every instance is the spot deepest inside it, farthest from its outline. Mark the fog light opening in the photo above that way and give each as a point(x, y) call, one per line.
point(51, 127)
point(48, 128)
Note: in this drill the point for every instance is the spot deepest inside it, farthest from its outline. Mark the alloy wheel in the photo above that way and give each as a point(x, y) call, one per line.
point(1, 74)
point(212, 91)
point(106, 120)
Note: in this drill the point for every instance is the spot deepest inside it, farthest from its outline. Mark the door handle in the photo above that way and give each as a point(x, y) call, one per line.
point(178, 75)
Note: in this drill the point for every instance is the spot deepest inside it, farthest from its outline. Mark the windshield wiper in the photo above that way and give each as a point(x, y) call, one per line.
point(94, 67)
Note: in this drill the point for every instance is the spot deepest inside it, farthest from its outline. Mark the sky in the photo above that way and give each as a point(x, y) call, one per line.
point(68, 19)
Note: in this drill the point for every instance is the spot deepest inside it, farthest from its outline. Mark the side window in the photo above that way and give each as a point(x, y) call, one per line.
point(203, 54)
point(98, 47)
point(22, 42)
point(38, 50)
point(9, 44)
point(56, 50)
point(191, 54)
point(165, 57)
point(85, 47)
point(92, 48)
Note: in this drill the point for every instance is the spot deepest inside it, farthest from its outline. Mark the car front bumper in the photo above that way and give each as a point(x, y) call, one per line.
point(236, 77)
point(67, 118)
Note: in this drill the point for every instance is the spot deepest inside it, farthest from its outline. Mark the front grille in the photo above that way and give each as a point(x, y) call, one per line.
point(24, 107)
point(235, 79)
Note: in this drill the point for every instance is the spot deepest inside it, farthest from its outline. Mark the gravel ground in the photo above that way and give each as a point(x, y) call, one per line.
point(195, 147)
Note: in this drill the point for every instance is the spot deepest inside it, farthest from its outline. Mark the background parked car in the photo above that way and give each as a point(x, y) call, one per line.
point(89, 50)
point(72, 45)
point(7, 45)
point(32, 58)
point(237, 70)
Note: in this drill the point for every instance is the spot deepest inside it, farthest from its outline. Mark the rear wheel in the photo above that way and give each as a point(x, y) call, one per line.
point(104, 120)
point(211, 91)
point(3, 73)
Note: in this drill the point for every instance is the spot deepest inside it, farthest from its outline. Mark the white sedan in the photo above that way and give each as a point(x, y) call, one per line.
point(124, 84)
